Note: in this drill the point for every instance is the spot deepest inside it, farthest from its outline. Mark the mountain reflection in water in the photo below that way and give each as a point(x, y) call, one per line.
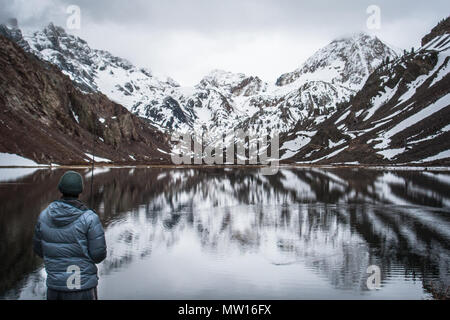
point(237, 234)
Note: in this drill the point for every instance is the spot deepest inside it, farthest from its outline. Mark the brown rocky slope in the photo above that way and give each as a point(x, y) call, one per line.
point(45, 118)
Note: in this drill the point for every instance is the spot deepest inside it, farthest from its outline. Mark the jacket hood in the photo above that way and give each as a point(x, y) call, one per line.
point(64, 212)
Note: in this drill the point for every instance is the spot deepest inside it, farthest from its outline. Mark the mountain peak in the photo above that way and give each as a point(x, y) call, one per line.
point(346, 61)
point(12, 32)
point(52, 30)
point(355, 37)
point(218, 78)
point(237, 84)
point(11, 23)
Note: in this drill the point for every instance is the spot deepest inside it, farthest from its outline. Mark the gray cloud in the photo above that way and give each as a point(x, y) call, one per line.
point(185, 38)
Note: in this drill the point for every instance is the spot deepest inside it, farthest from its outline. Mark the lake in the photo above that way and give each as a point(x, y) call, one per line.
point(220, 233)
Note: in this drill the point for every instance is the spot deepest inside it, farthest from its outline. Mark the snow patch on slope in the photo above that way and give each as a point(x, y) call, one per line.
point(412, 120)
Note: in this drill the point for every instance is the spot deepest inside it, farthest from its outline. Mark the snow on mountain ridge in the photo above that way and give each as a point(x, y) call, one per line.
point(238, 84)
point(222, 101)
point(347, 61)
point(313, 92)
point(401, 115)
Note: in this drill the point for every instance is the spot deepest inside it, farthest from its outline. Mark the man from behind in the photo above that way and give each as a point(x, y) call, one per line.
point(70, 238)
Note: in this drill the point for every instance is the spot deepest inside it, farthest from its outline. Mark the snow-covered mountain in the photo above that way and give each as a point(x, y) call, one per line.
point(99, 71)
point(222, 100)
point(313, 91)
point(400, 115)
point(347, 62)
point(329, 78)
point(233, 84)
point(354, 87)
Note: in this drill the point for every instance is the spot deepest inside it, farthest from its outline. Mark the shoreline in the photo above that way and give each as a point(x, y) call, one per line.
point(282, 166)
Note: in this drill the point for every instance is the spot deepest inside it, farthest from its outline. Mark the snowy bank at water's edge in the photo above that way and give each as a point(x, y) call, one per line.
point(13, 160)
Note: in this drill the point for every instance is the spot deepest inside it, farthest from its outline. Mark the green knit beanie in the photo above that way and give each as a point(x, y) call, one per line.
point(71, 183)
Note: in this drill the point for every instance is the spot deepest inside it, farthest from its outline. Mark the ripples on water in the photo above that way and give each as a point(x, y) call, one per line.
point(237, 234)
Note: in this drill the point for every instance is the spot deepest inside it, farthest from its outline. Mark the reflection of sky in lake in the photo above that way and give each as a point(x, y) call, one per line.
point(215, 233)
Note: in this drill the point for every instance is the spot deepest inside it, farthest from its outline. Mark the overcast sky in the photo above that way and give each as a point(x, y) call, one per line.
point(185, 39)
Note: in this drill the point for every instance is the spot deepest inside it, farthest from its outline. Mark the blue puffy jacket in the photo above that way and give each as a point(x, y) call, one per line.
point(69, 234)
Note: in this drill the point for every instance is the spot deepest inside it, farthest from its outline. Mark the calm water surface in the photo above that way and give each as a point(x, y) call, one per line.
point(237, 234)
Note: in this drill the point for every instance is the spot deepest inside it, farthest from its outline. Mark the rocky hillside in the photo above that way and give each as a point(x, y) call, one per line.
point(45, 118)
point(401, 115)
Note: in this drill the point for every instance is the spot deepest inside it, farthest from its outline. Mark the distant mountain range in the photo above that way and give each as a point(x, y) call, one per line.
point(354, 101)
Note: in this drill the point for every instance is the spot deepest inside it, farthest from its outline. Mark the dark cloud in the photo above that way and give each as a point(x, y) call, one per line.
point(217, 16)
point(6, 12)
point(231, 34)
